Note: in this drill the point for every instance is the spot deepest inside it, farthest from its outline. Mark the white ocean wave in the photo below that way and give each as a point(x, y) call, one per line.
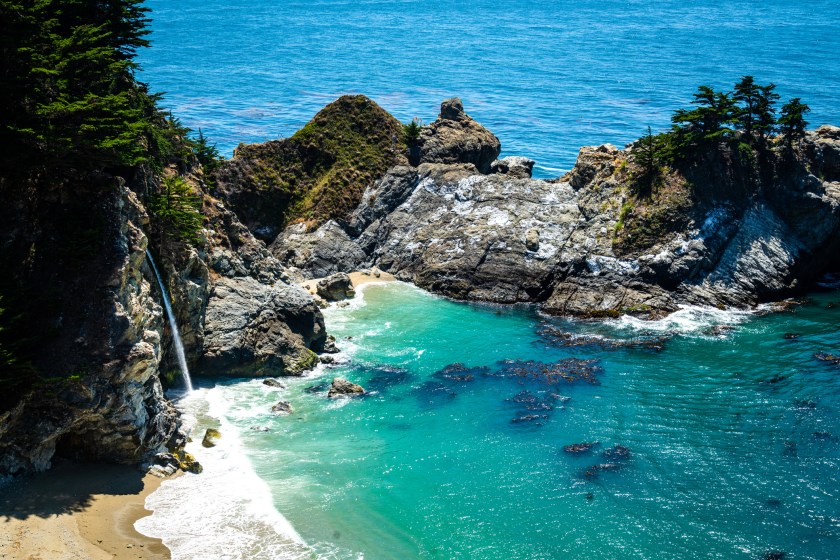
point(226, 512)
point(689, 319)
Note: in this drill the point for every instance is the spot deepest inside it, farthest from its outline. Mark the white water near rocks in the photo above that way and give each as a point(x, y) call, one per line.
point(176, 336)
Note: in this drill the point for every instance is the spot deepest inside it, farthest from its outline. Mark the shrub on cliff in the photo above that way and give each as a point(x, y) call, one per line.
point(177, 210)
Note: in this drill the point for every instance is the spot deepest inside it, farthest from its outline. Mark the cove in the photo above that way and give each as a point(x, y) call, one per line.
point(715, 434)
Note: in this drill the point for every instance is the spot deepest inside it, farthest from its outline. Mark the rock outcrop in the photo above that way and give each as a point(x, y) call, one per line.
point(343, 388)
point(586, 244)
point(242, 312)
point(317, 174)
point(456, 138)
point(105, 401)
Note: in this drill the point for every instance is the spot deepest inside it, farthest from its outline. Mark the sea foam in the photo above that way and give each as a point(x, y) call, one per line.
point(226, 512)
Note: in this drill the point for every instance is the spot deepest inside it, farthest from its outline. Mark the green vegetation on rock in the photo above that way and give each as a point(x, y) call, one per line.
point(319, 173)
point(177, 209)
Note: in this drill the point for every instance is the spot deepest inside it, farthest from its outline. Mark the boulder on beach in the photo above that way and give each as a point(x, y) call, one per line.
point(336, 287)
point(343, 388)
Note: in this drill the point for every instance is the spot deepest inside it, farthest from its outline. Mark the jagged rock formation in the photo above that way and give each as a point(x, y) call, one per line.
point(456, 138)
point(586, 244)
point(317, 174)
point(106, 401)
point(253, 320)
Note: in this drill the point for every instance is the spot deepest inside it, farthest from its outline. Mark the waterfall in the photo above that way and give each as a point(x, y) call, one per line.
point(176, 336)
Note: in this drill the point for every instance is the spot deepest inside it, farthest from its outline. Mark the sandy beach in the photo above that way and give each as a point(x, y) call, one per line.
point(78, 511)
point(357, 278)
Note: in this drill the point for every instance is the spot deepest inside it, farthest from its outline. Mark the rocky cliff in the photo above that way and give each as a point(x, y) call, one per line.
point(98, 395)
point(87, 316)
point(587, 244)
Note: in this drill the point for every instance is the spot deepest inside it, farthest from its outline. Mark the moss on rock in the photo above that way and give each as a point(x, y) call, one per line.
point(319, 173)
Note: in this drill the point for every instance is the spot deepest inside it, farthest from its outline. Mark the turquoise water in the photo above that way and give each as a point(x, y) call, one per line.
point(732, 437)
point(732, 433)
point(545, 76)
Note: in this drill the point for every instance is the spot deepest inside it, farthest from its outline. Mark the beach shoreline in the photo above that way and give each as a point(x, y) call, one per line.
point(77, 511)
point(358, 279)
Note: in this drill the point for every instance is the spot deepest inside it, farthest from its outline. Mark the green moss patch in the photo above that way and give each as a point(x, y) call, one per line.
point(319, 173)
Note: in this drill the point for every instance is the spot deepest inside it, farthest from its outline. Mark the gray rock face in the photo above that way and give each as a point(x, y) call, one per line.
point(320, 253)
point(255, 329)
point(455, 138)
point(343, 388)
point(336, 287)
point(508, 238)
point(117, 414)
point(514, 166)
point(238, 307)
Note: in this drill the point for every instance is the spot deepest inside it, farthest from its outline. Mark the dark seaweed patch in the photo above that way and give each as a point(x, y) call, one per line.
point(550, 334)
point(570, 370)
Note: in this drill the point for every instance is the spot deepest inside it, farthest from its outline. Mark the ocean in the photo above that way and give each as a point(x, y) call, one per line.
point(545, 76)
point(716, 434)
point(718, 428)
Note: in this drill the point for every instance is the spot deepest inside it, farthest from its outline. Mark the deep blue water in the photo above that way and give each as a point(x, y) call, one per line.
point(545, 76)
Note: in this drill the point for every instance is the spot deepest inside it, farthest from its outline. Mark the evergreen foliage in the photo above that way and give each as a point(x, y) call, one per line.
point(177, 210)
point(69, 97)
point(14, 372)
point(647, 156)
point(792, 121)
point(411, 132)
point(206, 153)
point(746, 116)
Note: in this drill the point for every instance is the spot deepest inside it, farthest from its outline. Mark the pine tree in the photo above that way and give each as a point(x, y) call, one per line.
point(177, 210)
point(747, 92)
point(765, 111)
point(792, 121)
point(706, 125)
point(646, 156)
point(69, 97)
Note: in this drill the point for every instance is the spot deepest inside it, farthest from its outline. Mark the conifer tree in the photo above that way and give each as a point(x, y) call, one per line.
point(792, 121)
point(69, 97)
point(747, 92)
point(765, 119)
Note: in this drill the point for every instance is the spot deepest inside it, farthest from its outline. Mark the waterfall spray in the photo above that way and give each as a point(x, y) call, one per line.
point(176, 336)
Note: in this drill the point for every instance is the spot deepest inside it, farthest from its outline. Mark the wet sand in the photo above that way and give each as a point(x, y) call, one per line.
point(78, 511)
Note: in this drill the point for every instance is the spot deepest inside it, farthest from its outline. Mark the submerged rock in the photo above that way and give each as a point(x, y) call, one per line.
point(569, 370)
point(460, 373)
point(616, 454)
point(343, 388)
point(830, 358)
point(534, 419)
point(578, 448)
point(282, 408)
